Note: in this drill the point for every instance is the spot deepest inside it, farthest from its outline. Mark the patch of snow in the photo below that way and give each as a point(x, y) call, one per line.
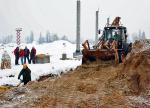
point(56, 66)
point(139, 99)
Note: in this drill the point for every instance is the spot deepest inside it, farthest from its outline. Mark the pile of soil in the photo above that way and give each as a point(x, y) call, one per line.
point(88, 86)
point(136, 69)
point(95, 85)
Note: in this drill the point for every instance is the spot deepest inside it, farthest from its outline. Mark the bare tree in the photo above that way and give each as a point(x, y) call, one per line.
point(65, 38)
point(48, 37)
point(143, 35)
point(31, 36)
point(41, 39)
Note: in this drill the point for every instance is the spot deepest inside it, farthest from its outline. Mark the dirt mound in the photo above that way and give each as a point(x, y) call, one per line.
point(137, 67)
point(102, 85)
point(140, 46)
point(86, 87)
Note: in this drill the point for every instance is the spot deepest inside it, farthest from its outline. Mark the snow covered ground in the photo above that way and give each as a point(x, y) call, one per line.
point(56, 66)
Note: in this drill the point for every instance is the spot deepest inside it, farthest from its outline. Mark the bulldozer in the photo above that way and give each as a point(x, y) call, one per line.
point(112, 45)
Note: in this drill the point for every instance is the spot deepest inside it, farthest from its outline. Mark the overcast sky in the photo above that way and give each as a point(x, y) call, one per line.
point(59, 16)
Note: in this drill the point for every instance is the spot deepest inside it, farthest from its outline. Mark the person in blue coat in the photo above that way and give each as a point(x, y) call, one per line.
point(26, 55)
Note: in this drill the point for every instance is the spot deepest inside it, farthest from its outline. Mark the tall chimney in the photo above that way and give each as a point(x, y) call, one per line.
point(78, 28)
point(96, 27)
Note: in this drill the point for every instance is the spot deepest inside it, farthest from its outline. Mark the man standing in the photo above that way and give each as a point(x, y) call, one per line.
point(16, 53)
point(26, 73)
point(26, 55)
point(32, 55)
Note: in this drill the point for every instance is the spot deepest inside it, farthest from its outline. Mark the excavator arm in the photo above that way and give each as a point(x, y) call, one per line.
point(86, 45)
point(116, 22)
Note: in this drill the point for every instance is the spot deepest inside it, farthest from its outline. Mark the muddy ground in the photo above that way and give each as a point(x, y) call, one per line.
point(94, 85)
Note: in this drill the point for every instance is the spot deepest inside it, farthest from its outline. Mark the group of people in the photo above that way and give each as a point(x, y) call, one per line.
point(24, 54)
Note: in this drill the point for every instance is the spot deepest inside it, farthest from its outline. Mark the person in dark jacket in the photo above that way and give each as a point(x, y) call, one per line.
point(16, 53)
point(26, 55)
point(32, 55)
point(26, 73)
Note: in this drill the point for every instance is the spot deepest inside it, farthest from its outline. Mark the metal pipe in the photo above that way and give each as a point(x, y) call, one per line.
point(96, 27)
point(78, 27)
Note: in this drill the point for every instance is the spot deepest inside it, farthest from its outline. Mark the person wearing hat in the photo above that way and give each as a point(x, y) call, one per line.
point(26, 73)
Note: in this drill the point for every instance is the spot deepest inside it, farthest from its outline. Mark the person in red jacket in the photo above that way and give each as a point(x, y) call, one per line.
point(21, 55)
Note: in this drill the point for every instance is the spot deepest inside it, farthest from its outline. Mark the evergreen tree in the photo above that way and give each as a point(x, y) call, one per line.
point(27, 39)
point(31, 37)
point(55, 37)
point(7, 39)
point(64, 38)
point(41, 39)
point(140, 35)
point(48, 37)
point(143, 35)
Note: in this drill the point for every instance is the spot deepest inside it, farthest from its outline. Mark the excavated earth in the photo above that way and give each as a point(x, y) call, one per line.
point(93, 85)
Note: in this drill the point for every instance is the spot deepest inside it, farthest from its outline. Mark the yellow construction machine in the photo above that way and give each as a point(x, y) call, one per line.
point(112, 45)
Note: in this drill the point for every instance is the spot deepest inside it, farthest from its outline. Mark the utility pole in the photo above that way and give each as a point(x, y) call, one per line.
point(78, 27)
point(96, 27)
point(78, 52)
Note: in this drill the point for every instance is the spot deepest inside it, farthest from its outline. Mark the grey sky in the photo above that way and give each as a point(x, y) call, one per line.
point(59, 16)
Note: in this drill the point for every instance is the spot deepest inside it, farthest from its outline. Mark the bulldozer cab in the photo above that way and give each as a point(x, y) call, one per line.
point(114, 33)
